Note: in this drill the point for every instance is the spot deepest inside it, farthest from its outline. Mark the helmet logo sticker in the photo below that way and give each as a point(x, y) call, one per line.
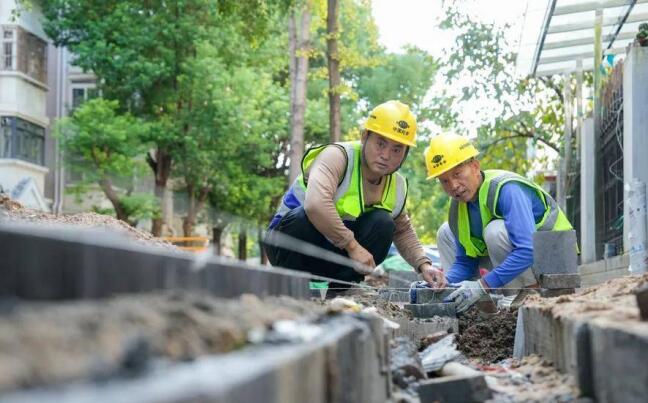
point(438, 160)
point(401, 128)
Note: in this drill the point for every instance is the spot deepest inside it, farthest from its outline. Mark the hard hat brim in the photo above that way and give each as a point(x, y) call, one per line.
point(392, 137)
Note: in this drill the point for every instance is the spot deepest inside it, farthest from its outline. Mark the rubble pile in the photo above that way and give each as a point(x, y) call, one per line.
point(12, 211)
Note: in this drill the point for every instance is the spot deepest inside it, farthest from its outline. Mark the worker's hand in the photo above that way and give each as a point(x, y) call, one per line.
point(466, 295)
point(434, 277)
point(362, 256)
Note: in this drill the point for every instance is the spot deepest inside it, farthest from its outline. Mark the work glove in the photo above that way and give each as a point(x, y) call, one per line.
point(466, 295)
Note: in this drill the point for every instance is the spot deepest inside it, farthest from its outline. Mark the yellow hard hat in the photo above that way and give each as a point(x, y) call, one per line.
point(394, 120)
point(446, 151)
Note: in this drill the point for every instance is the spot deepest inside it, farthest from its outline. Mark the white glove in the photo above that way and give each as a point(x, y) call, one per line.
point(466, 295)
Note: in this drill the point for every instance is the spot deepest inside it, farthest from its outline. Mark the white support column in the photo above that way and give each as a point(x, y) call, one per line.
point(635, 124)
point(588, 193)
point(579, 106)
point(565, 162)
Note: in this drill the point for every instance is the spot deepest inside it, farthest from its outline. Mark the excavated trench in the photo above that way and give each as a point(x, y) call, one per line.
point(136, 341)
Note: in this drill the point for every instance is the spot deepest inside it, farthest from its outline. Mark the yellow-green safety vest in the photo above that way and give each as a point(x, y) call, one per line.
point(349, 199)
point(458, 218)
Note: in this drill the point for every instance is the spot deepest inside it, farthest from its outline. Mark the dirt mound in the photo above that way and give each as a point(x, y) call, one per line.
point(613, 299)
point(11, 210)
point(488, 339)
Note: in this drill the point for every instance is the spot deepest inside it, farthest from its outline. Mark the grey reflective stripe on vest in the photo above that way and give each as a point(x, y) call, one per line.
point(453, 218)
point(346, 182)
point(552, 217)
point(401, 196)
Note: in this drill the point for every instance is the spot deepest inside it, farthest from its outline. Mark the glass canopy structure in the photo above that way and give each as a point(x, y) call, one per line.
point(558, 35)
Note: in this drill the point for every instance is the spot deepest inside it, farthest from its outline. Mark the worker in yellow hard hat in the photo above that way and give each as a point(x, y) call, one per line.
point(493, 215)
point(350, 200)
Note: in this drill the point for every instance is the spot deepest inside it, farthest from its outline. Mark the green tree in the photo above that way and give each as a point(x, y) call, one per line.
point(481, 65)
point(139, 50)
point(107, 149)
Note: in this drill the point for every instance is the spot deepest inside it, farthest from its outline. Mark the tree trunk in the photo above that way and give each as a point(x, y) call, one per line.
point(262, 255)
point(113, 197)
point(161, 166)
point(217, 231)
point(242, 244)
point(333, 69)
point(299, 47)
point(195, 206)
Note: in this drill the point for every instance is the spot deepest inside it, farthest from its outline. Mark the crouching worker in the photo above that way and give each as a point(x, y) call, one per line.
point(493, 215)
point(350, 200)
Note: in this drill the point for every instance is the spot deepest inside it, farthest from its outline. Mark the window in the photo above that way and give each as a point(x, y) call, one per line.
point(22, 140)
point(25, 52)
point(82, 92)
point(7, 55)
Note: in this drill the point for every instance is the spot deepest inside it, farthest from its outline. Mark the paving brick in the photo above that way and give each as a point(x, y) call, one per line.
point(554, 252)
point(452, 389)
point(556, 281)
point(431, 310)
point(429, 295)
point(642, 301)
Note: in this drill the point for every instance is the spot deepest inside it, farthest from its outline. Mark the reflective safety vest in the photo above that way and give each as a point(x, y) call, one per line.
point(349, 199)
point(553, 218)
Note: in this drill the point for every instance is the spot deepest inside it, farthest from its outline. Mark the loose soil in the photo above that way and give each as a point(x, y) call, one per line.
point(531, 379)
point(613, 299)
point(49, 343)
point(488, 339)
point(12, 211)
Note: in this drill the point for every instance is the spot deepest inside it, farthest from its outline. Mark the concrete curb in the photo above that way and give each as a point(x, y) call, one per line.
point(345, 363)
point(607, 359)
point(59, 263)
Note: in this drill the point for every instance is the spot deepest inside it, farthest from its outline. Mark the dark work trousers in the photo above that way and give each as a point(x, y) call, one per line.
point(373, 230)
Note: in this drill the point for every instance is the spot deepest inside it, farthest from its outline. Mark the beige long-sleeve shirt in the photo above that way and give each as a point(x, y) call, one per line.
point(323, 176)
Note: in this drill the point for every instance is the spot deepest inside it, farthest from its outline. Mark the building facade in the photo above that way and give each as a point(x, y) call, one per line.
point(24, 122)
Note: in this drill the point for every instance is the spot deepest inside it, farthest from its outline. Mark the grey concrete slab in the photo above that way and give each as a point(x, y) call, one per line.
point(451, 389)
point(619, 357)
point(551, 293)
point(642, 301)
point(554, 252)
point(432, 309)
point(557, 281)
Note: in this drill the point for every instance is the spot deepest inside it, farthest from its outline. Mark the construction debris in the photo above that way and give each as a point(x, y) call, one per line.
point(489, 339)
